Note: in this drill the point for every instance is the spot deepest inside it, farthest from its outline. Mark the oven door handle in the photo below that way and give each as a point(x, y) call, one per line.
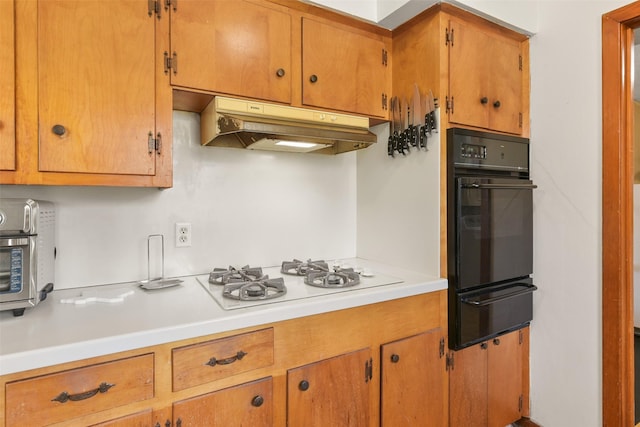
point(476, 303)
point(501, 186)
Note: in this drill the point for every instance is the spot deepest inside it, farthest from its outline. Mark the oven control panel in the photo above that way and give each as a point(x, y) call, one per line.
point(481, 150)
point(473, 151)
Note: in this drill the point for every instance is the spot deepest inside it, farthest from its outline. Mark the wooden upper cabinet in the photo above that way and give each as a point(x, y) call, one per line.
point(343, 69)
point(96, 87)
point(414, 382)
point(233, 47)
point(485, 78)
point(7, 87)
point(331, 392)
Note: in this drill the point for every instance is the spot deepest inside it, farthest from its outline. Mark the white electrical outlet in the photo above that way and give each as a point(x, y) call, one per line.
point(183, 234)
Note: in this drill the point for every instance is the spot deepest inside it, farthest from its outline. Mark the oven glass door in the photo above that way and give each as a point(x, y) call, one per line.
point(494, 230)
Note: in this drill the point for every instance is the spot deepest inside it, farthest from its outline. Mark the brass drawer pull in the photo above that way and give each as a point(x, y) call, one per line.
point(213, 361)
point(64, 396)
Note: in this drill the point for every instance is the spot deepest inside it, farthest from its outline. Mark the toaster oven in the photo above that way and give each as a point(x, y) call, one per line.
point(27, 253)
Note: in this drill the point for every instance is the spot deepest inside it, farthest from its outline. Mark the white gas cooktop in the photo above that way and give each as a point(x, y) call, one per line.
point(296, 287)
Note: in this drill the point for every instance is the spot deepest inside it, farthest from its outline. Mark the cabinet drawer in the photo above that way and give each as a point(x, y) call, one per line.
point(70, 394)
point(209, 361)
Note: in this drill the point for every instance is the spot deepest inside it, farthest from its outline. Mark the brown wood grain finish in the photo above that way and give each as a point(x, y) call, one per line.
point(343, 69)
point(491, 96)
point(505, 379)
point(331, 392)
point(31, 401)
point(468, 399)
point(83, 78)
point(486, 382)
point(245, 43)
point(93, 94)
point(249, 404)
point(414, 382)
point(141, 419)
point(7, 87)
point(193, 365)
point(617, 216)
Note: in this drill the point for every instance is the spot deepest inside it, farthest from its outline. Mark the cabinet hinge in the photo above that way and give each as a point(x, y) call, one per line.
point(368, 370)
point(384, 101)
point(171, 63)
point(520, 126)
point(154, 7)
point(441, 347)
point(384, 57)
point(448, 37)
point(520, 62)
point(448, 104)
point(520, 403)
point(169, 3)
point(449, 361)
point(155, 144)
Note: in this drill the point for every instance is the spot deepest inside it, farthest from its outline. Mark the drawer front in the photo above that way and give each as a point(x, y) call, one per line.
point(70, 394)
point(200, 363)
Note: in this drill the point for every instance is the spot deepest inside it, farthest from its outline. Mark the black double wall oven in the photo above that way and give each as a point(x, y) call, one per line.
point(489, 235)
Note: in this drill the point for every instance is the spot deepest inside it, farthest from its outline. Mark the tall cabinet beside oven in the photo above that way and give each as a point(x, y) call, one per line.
point(479, 72)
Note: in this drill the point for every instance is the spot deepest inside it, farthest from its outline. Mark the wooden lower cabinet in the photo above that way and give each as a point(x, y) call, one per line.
point(68, 394)
point(331, 392)
point(329, 369)
point(486, 382)
point(248, 404)
point(414, 381)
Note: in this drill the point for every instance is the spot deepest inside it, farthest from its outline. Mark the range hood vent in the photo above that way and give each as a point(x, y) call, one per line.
point(228, 122)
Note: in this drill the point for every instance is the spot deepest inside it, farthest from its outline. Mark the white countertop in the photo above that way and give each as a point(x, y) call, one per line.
point(54, 332)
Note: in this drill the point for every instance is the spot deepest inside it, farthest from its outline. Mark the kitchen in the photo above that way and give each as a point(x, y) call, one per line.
point(205, 180)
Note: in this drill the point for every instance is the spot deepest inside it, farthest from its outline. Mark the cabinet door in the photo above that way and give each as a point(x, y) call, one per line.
point(7, 87)
point(141, 419)
point(485, 79)
point(468, 378)
point(249, 404)
point(232, 47)
point(96, 86)
point(331, 392)
point(505, 379)
point(506, 85)
point(342, 69)
point(469, 74)
point(414, 382)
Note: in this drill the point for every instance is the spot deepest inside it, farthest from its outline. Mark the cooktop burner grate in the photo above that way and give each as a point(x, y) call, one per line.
point(301, 268)
point(341, 278)
point(222, 276)
point(255, 290)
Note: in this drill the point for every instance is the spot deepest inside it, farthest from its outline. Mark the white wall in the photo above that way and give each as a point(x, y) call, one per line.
point(245, 207)
point(566, 147)
point(399, 206)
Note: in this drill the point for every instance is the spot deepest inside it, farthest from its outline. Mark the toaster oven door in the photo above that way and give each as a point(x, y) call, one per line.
point(17, 286)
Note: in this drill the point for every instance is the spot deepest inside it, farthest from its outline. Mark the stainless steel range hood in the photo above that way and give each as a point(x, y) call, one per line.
point(238, 123)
